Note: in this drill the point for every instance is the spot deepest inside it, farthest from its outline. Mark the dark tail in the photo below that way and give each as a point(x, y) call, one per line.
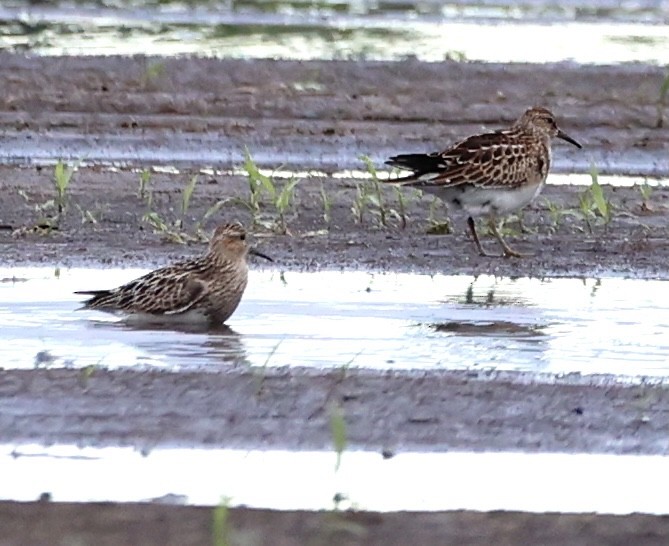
point(420, 164)
point(98, 295)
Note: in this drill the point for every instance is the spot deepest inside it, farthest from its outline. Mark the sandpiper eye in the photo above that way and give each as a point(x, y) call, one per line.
point(242, 236)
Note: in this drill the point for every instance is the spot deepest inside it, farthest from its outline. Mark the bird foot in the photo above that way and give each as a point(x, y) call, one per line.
point(507, 253)
point(490, 254)
point(510, 253)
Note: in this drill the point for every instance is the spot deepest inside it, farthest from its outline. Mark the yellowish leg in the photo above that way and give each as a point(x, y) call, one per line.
point(472, 228)
point(508, 251)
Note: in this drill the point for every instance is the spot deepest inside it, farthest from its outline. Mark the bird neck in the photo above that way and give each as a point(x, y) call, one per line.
point(220, 259)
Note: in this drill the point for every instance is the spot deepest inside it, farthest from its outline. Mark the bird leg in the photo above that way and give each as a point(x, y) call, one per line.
point(508, 251)
point(472, 228)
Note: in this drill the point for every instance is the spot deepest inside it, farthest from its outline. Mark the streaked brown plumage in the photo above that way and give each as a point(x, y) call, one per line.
point(208, 288)
point(491, 174)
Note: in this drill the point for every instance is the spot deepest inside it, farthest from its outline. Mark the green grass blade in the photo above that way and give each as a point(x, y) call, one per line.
point(597, 192)
point(219, 524)
point(257, 180)
point(213, 210)
point(664, 88)
point(187, 193)
point(369, 165)
point(338, 430)
point(286, 196)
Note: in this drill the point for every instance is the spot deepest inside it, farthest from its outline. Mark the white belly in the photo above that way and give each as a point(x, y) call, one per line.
point(478, 201)
point(195, 317)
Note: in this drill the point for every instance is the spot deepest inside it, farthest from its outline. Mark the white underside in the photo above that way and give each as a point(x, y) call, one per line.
point(189, 317)
point(479, 201)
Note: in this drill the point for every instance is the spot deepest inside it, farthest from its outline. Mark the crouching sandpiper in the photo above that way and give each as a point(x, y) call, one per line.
point(202, 290)
point(492, 174)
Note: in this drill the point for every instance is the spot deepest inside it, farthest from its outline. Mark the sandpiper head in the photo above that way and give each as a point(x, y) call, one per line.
point(229, 241)
point(541, 121)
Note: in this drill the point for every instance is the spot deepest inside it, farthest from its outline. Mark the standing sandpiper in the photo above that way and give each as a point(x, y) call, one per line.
point(491, 174)
point(205, 289)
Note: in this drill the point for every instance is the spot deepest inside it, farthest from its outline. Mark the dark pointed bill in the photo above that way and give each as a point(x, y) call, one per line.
point(564, 136)
point(258, 253)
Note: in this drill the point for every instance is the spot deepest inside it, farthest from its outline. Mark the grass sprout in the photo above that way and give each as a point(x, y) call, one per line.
point(220, 523)
point(87, 216)
point(369, 197)
point(62, 176)
point(259, 183)
point(187, 194)
point(261, 372)
point(402, 207)
point(144, 191)
point(593, 204)
point(52, 211)
point(556, 213)
point(661, 103)
point(174, 229)
point(214, 209)
point(375, 196)
point(646, 190)
point(264, 191)
point(343, 369)
point(338, 431)
point(283, 203)
point(327, 206)
point(602, 204)
point(435, 226)
point(153, 70)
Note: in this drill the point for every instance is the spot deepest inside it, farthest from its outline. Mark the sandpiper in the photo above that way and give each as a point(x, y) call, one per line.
point(491, 174)
point(206, 289)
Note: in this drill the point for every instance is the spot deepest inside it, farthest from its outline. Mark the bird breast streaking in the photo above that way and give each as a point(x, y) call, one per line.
point(491, 174)
point(208, 288)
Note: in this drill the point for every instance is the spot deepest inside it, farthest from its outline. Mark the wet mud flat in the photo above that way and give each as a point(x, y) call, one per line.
point(429, 411)
point(197, 115)
point(387, 411)
point(316, 114)
point(108, 524)
point(105, 223)
point(122, 115)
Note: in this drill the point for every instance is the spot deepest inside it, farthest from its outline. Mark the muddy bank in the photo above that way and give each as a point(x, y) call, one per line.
point(105, 524)
point(196, 113)
point(104, 222)
point(291, 408)
point(318, 114)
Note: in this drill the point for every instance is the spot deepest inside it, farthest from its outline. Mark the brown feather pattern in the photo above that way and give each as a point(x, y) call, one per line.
point(212, 284)
point(489, 174)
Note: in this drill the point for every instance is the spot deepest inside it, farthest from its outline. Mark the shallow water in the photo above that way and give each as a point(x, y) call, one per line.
point(354, 319)
point(550, 482)
point(222, 152)
point(557, 33)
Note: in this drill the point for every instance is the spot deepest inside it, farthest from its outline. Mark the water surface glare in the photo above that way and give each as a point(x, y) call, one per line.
point(62, 31)
point(308, 480)
point(356, 319)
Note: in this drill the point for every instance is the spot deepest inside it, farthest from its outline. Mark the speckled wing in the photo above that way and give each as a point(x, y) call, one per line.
point(493, 159)
point(166, 291)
